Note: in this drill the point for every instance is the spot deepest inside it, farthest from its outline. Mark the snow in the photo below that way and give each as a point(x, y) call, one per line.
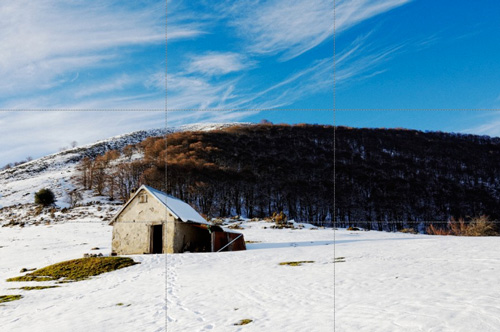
point(387, 282)
point(406, 282)
point(89, 305)
point(178, 208)
point(203, 289)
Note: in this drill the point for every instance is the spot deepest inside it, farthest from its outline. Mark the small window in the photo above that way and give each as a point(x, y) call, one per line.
point(143, 198)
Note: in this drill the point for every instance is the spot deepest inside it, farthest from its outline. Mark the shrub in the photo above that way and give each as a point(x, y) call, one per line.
point(431, 230)
point(44, 197)
point(279, 218)
point(480, 226)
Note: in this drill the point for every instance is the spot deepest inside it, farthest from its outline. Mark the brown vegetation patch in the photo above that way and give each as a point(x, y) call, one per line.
point(477, 227)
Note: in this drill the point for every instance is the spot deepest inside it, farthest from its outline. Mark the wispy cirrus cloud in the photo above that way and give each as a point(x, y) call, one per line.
point(360, 60)
point(287, 28)
point(352, 12)
point(218, 63)
point(488, 123)
point(277, 31)
point(49, 46)
point(294, 27)
point(199, 92)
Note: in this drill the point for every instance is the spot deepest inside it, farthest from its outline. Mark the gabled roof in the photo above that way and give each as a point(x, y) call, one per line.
point(179, 209)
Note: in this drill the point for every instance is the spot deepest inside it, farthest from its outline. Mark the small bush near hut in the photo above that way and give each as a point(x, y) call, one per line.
point(44, 197)
point(77, 269)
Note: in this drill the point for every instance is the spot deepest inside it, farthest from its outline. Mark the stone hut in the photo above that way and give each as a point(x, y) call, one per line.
point(152, 222)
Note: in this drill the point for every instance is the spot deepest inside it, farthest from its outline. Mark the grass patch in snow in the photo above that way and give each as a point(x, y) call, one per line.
point(77, 269)
point(244, 321)
point(250, 241)
point(339, 260)
point(123, 305)
point(9, 298)
point(36, 287)
point(351, 228)
point(297, 263)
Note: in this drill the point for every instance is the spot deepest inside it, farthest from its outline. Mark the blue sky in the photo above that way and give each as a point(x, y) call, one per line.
point(391, 55)
point(250, 55)
point(276, 56)
point(423, 56)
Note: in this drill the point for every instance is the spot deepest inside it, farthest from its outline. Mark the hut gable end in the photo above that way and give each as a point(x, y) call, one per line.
point(148, 197)
point(142, 208)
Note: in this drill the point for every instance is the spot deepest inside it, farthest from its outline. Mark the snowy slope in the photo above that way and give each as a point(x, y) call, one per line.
point(386, 282)
point(184, 292)
point(406, 282)
point(18, 184)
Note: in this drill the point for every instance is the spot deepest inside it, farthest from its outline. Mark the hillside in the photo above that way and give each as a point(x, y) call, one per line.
point(232, 169)
point(58, 171)
point(380, 174)
point(408, 175)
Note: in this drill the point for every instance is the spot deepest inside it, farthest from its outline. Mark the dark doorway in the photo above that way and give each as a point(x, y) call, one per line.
point(157, 239)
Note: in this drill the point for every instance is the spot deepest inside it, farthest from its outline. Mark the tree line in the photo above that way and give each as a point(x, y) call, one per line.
point(411, 176)
point(382, 177)
point(242, 170)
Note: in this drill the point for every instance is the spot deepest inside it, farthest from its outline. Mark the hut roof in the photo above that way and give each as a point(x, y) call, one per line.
point(181, 210)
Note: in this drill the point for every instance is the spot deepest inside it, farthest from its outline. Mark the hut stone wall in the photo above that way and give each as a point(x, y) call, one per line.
point(132, 232)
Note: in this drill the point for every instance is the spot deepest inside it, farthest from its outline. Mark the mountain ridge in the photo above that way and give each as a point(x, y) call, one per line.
point(59, 167)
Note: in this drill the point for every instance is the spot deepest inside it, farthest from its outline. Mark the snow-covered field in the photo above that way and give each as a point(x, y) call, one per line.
point(406, 282)
point(387, 282)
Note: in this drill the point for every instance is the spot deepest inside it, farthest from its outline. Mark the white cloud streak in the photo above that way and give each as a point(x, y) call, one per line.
point(352, 12)
point(361, 60)
point(51, 44)
point(490, 124)
point(293, 27)
point(289, 28)
point(198, 92)
point(218, 63)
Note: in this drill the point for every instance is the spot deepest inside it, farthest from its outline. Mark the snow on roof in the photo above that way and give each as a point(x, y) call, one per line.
point(178, 208)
